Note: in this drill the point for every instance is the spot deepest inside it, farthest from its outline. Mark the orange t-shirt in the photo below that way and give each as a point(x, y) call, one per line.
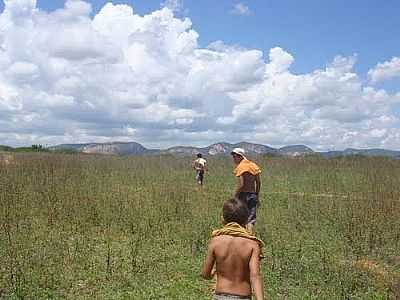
point(246, 166)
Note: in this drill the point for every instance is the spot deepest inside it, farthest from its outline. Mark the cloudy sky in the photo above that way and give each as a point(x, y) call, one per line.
point(162, 73)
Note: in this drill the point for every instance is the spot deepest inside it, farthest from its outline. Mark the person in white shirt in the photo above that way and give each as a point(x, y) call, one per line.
point(200, 165)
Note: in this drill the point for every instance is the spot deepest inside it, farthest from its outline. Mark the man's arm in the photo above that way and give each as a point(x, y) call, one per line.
point(258, 183)
point(207, 272)
point(239, 186)
point(258, 187)
point(255, 273)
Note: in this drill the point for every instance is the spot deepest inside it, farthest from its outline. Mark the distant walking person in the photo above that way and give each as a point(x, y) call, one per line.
point(200, 165)
point(249, 183)
point(234, 255)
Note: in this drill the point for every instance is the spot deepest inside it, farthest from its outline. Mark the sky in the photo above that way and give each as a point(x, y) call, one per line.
point(325, 74)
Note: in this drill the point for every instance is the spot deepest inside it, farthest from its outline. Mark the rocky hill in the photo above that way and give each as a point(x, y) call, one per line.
point(295, 150)
point(223, 148)
point(362, 152)
point(118, 148)
point(115, 148)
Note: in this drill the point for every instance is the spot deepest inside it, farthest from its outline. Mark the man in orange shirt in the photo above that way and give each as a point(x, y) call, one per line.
point(249, 183)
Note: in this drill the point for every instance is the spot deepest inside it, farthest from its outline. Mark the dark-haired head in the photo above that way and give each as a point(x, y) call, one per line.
point(235, 210)
point(199, 155)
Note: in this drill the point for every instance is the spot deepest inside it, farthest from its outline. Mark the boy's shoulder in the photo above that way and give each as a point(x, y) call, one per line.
point(224, 239)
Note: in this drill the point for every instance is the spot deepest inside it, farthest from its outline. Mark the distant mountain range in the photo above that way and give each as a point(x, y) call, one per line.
point(132, 148)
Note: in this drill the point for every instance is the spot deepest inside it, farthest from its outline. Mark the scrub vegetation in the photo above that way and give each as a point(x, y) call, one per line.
point(105, 227)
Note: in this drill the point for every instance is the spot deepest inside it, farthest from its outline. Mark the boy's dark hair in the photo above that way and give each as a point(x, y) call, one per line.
point(235, 210)
point(199, 155)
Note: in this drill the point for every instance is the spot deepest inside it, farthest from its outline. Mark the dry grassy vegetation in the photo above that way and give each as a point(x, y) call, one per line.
point(99, 227)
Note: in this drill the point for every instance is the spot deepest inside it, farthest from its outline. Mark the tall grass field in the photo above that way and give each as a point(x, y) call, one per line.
point(108, 227)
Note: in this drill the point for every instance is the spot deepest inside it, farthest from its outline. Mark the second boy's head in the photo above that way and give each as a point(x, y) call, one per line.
point(238, 155)
point(235, 210)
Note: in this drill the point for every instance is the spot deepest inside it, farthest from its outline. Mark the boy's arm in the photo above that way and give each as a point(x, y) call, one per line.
point(255, 273)
point(239, 186)
point(209, 262)
point(194, 164)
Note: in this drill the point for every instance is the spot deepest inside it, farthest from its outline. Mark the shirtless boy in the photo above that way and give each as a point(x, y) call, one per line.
point(236, 256)
point(249, 183)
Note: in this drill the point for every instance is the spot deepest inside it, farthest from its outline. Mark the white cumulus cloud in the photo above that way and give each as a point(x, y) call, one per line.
point(386, 70)
point(241, 9)
point(68, 77)
point(174, 5)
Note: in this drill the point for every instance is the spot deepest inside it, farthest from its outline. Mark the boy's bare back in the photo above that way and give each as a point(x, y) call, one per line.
point(236, 255)
point(237, 265)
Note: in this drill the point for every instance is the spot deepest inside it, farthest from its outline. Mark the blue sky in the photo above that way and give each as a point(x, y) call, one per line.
point(321, 73)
